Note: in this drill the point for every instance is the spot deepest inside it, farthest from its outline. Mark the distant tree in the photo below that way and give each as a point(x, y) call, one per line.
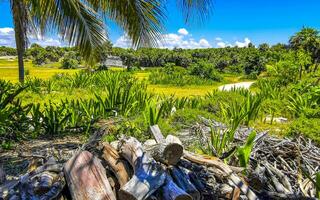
point(263, 47)
point(35, 50)
point(70, 61)
point(251, 45)
point(307, 39)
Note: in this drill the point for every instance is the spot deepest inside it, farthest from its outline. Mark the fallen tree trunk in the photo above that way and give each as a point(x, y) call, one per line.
point(117, 165)
point(86, 178)
point(148, 175)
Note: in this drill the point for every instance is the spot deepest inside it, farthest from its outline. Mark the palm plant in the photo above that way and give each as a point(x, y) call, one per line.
point(80, 22)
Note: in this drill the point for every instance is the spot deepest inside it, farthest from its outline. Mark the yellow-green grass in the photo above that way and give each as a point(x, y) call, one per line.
point(142, 75)
point(9, 70)
point(185, 91)
point(57, 96)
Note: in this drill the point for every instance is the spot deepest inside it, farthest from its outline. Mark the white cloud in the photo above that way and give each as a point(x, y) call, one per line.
point(183, 31)
point(123, 42)
point(6, 30)
point(47, 42)
point(204, 43)
point(245, 43)
point(7, 38)
point(170, 41)
point(222, 44)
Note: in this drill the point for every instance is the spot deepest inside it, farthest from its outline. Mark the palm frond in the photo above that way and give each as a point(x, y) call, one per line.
point(142, 20)
point(195, 10)
point(74, 20)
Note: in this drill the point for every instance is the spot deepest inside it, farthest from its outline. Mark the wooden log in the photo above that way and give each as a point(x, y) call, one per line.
point(2, 175)
point(156, 132)
point(182, 179)
point(171, 191)
point(86, 178)
point(117, 165)
point(148, 174)
point(167, 150)
point(222, 170)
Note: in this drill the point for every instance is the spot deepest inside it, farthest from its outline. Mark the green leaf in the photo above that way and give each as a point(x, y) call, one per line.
point(245, 151)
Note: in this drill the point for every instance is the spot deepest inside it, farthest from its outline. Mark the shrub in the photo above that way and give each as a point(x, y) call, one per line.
point(307, 127)
point(70, 61)
point(205, 70)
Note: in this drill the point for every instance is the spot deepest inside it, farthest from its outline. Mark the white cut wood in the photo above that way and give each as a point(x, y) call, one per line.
point(148, 174)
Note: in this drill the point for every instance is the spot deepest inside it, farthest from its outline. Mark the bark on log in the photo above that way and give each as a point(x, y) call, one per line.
point(117, 165)
point(167, 150)
point(183, 181)
point(148, 175)
point(86, 178)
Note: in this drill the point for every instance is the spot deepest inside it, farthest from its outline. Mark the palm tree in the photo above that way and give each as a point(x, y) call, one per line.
point(307, 39)
point(81, 22)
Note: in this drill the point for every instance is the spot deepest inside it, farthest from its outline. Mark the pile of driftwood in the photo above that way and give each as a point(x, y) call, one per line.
point(157, 169)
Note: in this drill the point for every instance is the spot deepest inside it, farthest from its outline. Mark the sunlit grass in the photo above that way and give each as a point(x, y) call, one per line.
point(182, 91)
point(9, 70)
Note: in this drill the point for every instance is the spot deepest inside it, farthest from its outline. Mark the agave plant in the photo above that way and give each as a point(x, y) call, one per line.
point(13, 115)
point(55, 119)
point(298, 104)
point(153, 113)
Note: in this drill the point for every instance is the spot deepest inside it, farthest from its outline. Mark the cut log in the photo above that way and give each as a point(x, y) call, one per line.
point(86, 178)
point(171, 191)
point(148, 174)
point(117, 165)
point(167, 151)
point(182, 179)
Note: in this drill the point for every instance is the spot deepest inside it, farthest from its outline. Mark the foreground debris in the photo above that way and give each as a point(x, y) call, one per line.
point(163, 169)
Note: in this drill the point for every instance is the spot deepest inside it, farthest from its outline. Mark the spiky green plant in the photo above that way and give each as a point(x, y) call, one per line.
point(55, 119)
point(244, 152)
point(153, 113)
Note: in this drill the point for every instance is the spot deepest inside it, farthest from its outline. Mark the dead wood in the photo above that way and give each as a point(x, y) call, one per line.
point(117, 164)
point(167, 150)
point(148, 174)
point(86, 178)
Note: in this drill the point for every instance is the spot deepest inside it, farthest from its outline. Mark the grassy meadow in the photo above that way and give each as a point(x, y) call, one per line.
point(9, 70)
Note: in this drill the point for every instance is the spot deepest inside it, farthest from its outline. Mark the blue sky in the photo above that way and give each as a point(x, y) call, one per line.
point(233, 22)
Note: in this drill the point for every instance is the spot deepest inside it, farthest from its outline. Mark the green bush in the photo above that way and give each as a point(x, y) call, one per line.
point(307, 127)
point(70, 61)
point(205, 70)
point(173, 75)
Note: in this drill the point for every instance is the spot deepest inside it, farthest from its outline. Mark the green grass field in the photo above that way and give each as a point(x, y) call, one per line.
point(9, 70)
